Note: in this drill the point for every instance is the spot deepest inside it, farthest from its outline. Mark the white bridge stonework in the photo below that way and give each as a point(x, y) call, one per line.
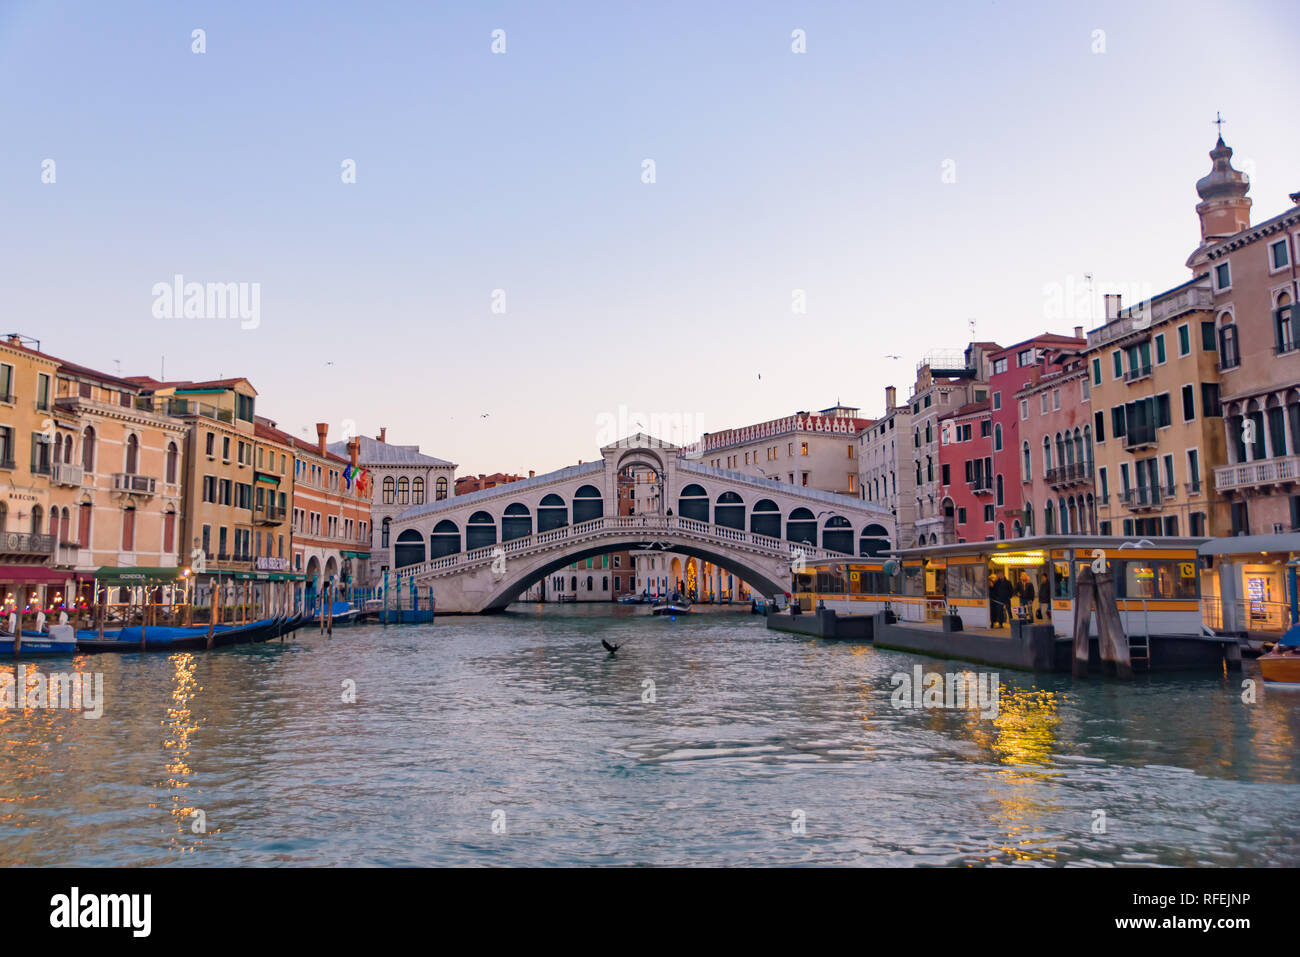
point(508, 537)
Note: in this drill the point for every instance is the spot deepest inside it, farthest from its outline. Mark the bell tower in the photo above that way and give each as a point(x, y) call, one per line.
point(1224, 208)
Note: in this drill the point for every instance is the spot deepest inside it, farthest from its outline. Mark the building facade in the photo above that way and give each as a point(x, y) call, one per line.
point(885, 474)
point(966, 478)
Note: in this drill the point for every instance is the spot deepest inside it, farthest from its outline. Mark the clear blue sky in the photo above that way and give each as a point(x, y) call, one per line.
point(475, 172)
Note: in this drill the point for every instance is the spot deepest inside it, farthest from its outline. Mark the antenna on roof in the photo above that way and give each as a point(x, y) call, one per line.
point(972, 329)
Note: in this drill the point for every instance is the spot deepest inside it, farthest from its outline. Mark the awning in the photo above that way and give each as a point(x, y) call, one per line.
point(33, 575)
point(356, 554)
point(266, 576)
point(1250, 544)
point(139, 575)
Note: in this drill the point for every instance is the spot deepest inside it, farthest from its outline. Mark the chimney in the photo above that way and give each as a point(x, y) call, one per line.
point(891, 397)
point(1078, 332)
point(354, 450)
point(322, 429)
point(383, 432)
point(532, 473)
point(1112, 300)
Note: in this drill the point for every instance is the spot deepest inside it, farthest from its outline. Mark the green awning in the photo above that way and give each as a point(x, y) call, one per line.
point(356, 554)
point(139, 575)
point(267, 576)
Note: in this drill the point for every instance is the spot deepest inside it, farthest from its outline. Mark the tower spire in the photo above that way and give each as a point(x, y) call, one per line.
point(1224, 208)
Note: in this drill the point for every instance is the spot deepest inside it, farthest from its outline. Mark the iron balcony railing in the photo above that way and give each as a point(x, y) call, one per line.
point(1071, 474)
point(1137, 372)
point(1148, 497)
point(1139, 436)
point(26, 543)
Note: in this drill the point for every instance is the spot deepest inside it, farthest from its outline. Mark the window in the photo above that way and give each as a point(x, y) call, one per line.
point(1184, 340)
point(1160, 349)
point(1193, 471)
point(1210, 400)
point(225, 447)
point(128, 529)
point(389, 489)
point(1117, 421)
point(803, 448)
point(1099, 426)
point(40, 454)
point(997, 438)
point(6, 383)
point(997, 401)
point(1024, 409)
point(441, 486)
point(1208, 338)
point(1025, 357)
point(42, 391)
point(999, 366)
point(1229, 354)
point(132, 454)
point(1222, 277)
point(1284, 337)
point(947, 475)
point(1169, 474)
point(1189, 403)
point(1117, 358)
point(1278, 257)
point(87, 450)
point(988, 513)
point(1104, 483)
point(173, 462)
point(1056, 399)
point(1096, 372)
point(961, 516)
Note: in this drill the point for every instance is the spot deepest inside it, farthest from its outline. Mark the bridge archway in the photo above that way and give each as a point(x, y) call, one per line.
point(514, 585)
point(873, 541)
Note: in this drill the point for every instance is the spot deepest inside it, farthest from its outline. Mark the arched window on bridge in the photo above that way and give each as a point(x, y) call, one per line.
point(837, 536)
point(480, 531)
point(587, 504)
point(765, 518)
point(409, 549)
point(873, 541)
point(693, 503)
point(516, 522)
point(444, 539)
point(801, 526)
point(730, 511)
point(551, 513)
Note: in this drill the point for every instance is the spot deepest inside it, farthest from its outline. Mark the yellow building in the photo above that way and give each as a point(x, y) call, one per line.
point(1157, 431)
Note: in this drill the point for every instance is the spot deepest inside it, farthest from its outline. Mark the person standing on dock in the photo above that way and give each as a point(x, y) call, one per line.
point(1000, 592)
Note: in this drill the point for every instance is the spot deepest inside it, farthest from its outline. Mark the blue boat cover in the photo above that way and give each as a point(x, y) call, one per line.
point(1292, 637)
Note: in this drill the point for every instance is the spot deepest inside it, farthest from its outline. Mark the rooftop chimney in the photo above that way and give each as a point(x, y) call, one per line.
point(383, 431)
point(354, 450)
point(891, 397)
point(1078, 332)
point(1112, 305)
point(532, 473)
point(322, 429)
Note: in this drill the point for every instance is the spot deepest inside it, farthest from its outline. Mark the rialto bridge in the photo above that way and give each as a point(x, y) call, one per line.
point(481, 550)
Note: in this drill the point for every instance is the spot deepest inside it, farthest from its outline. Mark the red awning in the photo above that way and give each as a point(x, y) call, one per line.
point(33, 575)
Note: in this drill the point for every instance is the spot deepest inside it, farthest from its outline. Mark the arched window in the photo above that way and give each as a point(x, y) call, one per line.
point(409, 549)
point(444, 539)
point(1063, 515)
point(132, 454)
point(173, 463)
point(1047, 455)
point(385, 529)
point(873, 541)
point(729, 511)
point(1029, 518)
point(765, 518)
point(587, 504)
point(997, 437)
point(1049, 519)
point(837, 535)
point(169, 532)
point(693, 503)
point(551, 513)
point(403, 491)
point(480, 531)
point(1229, 347)
point(58, 446)
point(801, 526)
point(441, 488)
point(4, 517)
point(1002, 531)
point(999, 489)
point(38, 518)
point(417, 491)
point(389, 487)
point(929, 469)
point(88, 449)
point(128, 529)
point(516, 522)
point(1026, 466)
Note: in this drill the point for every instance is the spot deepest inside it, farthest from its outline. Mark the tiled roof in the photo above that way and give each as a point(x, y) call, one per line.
point(374, 452)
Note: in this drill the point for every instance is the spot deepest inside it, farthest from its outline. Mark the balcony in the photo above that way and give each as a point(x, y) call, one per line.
point(268, 514)
point(67, 474)
point(134, 484)
point(1145, 498)
point(1140, 436)
point(1255, 474)
point(980, 487)
point(1075, 473)
point(22, 543)
point(1195, 488)
point(1137, 373)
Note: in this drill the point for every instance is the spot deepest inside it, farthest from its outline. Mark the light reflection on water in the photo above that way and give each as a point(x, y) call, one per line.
point(524, 713)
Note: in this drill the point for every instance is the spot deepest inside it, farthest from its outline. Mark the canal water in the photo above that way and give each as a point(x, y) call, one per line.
point(515, 739)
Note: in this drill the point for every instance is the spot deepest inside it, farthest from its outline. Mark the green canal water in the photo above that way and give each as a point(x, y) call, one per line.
point(515, 740)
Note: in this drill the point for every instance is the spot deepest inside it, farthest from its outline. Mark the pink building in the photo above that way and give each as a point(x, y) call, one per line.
point(1010, 370)
point(966, 481)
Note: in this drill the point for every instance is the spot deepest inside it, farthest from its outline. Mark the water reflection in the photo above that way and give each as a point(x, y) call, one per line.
point(180, 724)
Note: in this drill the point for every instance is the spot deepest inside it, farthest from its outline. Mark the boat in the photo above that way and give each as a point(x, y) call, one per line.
point(676, 605)
point(341, 613)
point(1281, 666)
point(634, 599)
point(180, 638)
point(59, 640)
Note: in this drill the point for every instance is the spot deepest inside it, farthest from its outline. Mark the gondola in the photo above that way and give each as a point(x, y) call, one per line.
point(59, 640)
point(672, 606)
point(169, 638)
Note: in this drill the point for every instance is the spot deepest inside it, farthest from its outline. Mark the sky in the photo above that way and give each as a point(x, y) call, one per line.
point(505, 284)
